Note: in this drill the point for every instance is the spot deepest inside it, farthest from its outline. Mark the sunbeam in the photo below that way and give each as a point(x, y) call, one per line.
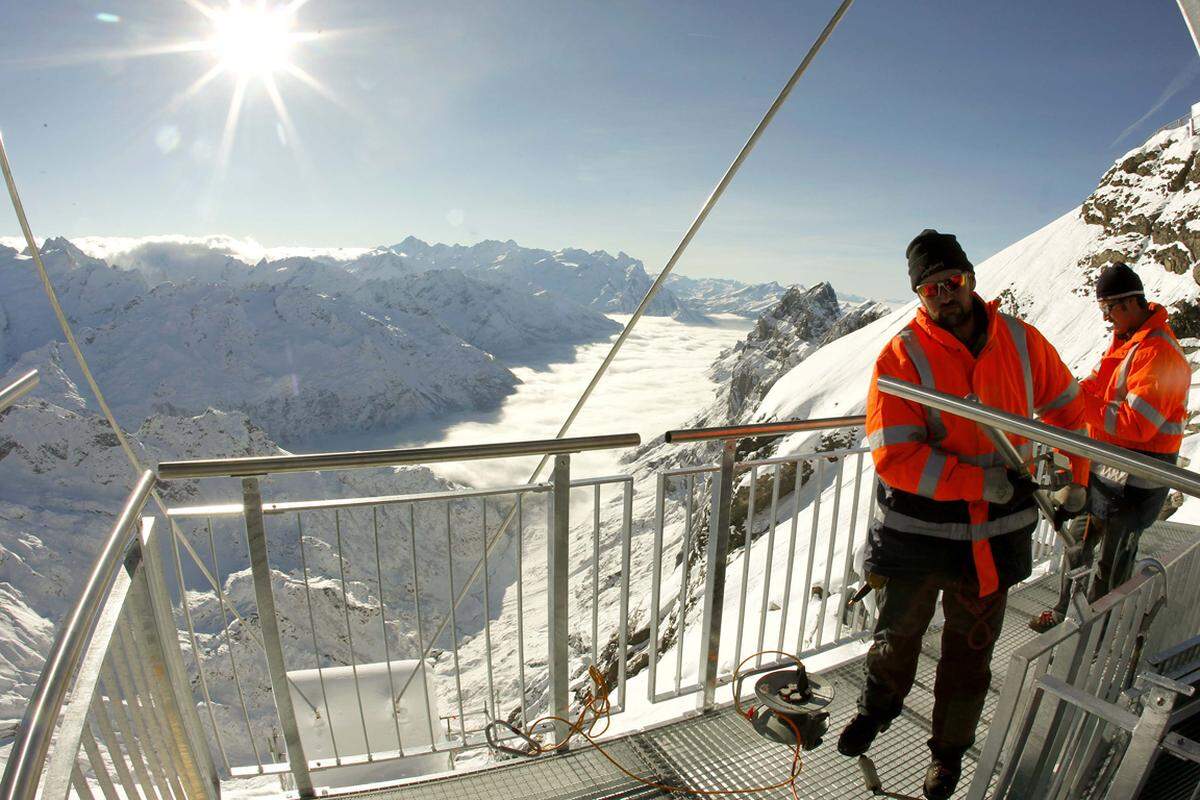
point(231, 123)
point(192, 90)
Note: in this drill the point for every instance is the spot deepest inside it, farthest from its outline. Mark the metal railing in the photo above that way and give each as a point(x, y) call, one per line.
point(1187, 119)
point(340, 633)
point(1064, 713)
point(383, 570)
point(130, 707)
point(18, 389)
point(805, 510)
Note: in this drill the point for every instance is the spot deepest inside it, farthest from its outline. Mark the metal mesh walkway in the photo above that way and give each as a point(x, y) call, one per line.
point(720, 751)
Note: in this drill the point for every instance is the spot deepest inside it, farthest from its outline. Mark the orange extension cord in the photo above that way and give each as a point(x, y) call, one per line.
point(596, 709)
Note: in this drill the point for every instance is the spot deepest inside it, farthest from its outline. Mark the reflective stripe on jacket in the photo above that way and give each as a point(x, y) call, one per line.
point(931, 465)
point(1137, 397)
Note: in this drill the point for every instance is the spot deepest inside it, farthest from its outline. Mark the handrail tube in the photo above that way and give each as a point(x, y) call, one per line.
point(761, 429)
point(1126, 460)
point(18, 389)
point(27, 758)
point(1041, 497)
point(358, 459)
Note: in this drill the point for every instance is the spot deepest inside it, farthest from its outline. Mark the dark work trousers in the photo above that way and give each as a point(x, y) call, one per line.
point(1118, 515)
point(906, 606)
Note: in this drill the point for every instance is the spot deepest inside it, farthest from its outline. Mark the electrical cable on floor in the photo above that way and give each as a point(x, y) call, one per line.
point(596, 709)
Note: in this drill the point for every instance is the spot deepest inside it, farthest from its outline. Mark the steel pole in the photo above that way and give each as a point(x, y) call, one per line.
point(268, 622)
point(558, 568)
point(1151, 469)
point(714, 579)
point(1010, 454)
point(18, 389)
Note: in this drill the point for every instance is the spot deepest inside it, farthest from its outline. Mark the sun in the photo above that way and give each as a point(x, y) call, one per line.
point(253, 41)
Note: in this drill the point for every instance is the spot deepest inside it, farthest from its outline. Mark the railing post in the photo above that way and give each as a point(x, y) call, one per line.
point(714, 578)
point(557, 550)
point(256, 538)
point(185, 724)
point(1144, 744)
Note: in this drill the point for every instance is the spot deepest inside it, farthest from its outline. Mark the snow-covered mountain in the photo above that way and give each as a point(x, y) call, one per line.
point(801, 323)
point(725, 295)
point(490, 315)
point(614, 284)
point(599, 280)
point(303, 346)
point(63, 477)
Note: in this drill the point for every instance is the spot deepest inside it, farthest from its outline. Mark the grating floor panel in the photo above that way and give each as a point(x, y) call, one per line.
point(720, 751)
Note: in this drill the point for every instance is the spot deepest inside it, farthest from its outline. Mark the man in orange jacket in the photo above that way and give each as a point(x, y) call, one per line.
point(1137, 399)
point(950, 516)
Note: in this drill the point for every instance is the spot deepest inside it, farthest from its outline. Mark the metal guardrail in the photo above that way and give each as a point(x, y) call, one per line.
point(725, 432)
point(18, 389)
point(1158, 472)
point(763, 501)
point(1186, 119)
point(268, 465)
point(153, 725)
point(117, 652)
point(1063, 728)
point(404, 528)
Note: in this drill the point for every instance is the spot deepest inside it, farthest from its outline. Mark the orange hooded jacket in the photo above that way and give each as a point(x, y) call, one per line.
point(933, 463)
point(1137, 397)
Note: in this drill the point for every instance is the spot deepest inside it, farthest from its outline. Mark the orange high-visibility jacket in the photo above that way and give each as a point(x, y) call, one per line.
point(1137, 397)
point(933, 463)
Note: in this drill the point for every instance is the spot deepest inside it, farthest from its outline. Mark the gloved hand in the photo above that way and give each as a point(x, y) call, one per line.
point(1005, 486)
point(1069, 502)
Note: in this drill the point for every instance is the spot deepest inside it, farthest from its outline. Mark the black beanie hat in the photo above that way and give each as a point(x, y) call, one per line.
point(932, 252)
point(1117, 280)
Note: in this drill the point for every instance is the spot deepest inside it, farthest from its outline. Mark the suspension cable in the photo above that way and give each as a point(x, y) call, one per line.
point(701, 216)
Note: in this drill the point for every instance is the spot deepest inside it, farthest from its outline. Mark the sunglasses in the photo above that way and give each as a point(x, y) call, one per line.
point(951, 285)
point(1106, 306)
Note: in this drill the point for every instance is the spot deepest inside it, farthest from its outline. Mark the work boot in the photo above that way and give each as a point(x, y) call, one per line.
point(1045, 621)
point(858, 735)
point(942, 777)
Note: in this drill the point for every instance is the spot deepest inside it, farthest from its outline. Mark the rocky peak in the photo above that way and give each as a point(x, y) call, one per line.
point(801, 314)
point(790, 331)
point(1148, 204)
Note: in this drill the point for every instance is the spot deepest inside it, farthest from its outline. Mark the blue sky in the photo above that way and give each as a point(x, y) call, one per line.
point(600, 125)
